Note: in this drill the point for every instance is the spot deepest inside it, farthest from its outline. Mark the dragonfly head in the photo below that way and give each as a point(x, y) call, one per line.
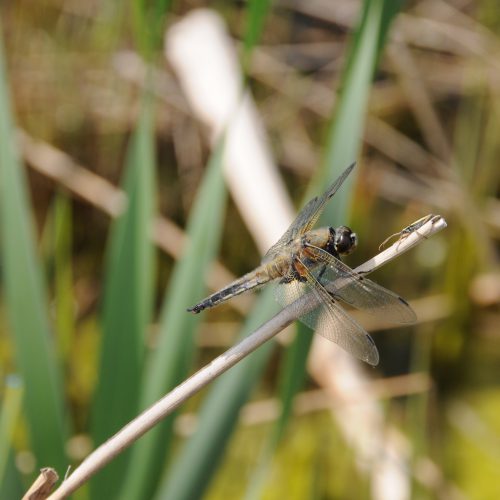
point(344, 239)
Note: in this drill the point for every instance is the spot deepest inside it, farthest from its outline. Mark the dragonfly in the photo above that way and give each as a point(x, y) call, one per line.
point(308, 261)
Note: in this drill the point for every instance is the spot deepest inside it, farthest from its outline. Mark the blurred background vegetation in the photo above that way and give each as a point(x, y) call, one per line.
point(106, 166)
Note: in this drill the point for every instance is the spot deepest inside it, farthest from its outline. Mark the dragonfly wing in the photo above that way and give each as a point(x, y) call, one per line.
point(308, 216)
point(327, 318)
point(358, 291)
point(315, 209)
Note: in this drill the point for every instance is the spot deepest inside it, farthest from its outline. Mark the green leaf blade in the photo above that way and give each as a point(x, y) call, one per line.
point(170, 361)
point(127, 303)
point(26, 300)
point(193, 469)
point(9, 415)
point(341, 149)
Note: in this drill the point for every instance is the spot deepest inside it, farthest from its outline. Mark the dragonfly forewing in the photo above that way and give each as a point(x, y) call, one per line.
point(308, 216)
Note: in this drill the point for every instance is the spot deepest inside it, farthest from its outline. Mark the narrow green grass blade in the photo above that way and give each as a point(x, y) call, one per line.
point(170, 362)
point(9, 415)
point(341, 149)
point(127, 303)
point(346, 132)
point(148, 19)
point(257, 14)
point(344, 139)
point(59, 241)
point(64, 297)
point(190, 474)
point(11, 485)
point(56, 248)
point(27, 305)
point(292, 376)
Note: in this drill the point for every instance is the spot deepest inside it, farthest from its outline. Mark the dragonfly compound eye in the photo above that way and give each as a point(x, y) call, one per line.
point(346, 240)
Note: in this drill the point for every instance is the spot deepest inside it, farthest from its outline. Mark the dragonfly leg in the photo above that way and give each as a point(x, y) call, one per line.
point(293, 275)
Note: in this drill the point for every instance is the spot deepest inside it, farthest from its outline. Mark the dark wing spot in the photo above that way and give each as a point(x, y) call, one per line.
point(403, 301)
point(371, 340)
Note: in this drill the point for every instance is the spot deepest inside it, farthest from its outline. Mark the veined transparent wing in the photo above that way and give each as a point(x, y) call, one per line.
point(358, 291)
point(328, 318)
point(308, 216)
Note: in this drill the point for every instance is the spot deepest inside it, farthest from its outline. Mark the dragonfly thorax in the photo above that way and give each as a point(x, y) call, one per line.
point(340, 241)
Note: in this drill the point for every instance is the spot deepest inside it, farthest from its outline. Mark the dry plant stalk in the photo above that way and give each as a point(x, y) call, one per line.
point(159, 410)
point(43, 485)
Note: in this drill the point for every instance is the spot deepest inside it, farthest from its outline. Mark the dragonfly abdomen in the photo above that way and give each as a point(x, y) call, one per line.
point(249, 281)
